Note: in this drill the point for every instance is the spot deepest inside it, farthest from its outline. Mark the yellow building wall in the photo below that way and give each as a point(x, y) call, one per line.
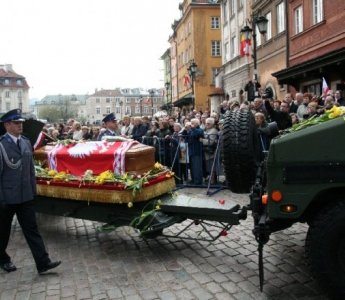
point(194, 37)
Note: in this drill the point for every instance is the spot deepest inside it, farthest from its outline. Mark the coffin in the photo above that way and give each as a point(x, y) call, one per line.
point(135, 159)
point(139, 158)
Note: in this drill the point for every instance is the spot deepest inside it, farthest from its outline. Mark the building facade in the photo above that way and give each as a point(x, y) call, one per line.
point(196, 39)
point(238, 74)
point(316, 46)
point(14, 91)
point(131, 102)
point(54, 108)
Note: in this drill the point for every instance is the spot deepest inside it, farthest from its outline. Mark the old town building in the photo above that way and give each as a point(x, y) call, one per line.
point(316, 46)
point(195, 53)
point(132, 102)
point(14, 90)
point(238, 77)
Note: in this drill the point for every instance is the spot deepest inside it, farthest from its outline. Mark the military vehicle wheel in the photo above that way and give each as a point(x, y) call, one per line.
point(325, 248)
point(240, 150)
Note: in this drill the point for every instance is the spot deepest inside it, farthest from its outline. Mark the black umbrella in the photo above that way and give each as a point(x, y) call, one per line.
point(31, 129)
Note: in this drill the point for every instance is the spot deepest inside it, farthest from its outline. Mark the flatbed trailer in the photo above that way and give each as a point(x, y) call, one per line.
point(145, 216)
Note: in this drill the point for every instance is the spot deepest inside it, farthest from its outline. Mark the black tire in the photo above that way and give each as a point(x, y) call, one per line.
point(325, 249)
point(240, 150)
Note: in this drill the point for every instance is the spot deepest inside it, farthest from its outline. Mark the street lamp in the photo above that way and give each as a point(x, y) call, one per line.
point(152, 93)
point(192, 72)
point(169, 104)
point(261, 23)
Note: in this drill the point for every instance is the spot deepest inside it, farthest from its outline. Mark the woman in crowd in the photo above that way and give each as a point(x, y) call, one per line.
point(210, 142)
point(77, 133)
point(139, 130)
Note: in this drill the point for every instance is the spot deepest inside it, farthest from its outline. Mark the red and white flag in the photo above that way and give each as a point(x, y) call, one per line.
point(96, 156)
point(186, 80)
point(40, 141)
point(325, 87)
point(245, 44)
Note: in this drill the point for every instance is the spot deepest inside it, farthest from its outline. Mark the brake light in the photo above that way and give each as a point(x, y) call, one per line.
point(264, 199)
point(276, 196)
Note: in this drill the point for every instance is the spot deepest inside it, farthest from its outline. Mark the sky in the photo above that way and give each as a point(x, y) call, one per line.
point(77, 46)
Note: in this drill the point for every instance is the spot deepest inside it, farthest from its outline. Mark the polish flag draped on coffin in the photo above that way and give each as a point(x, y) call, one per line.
point(97, 156)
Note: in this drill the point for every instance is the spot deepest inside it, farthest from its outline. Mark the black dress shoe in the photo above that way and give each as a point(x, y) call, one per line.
point(8, 267)
point(48, 266)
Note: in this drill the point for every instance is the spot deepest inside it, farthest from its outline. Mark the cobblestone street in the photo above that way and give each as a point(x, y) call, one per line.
point(121, 265)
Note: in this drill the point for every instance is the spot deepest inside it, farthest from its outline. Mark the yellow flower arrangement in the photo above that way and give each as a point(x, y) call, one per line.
point(334, 112)
point(127, 181)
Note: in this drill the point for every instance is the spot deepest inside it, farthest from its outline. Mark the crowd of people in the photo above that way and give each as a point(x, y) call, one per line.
point(189, 144)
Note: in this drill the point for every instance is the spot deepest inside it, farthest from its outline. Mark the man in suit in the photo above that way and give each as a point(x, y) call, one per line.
point(339, 100)
point(17, 190)
point(111, 127)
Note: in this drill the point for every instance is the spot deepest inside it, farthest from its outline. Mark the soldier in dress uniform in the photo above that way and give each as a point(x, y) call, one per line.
point(110, 124)
point(17, 190)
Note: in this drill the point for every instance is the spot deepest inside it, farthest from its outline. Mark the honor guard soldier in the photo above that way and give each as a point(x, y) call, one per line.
point(17, 191)
point(110, 124)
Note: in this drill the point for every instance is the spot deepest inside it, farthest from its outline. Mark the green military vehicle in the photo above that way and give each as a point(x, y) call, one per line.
point(300, 178)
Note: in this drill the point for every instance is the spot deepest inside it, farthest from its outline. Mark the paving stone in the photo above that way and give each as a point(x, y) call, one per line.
point(201, 294)
point(121, 265)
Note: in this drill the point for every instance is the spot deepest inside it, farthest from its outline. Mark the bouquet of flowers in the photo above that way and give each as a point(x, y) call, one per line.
point(334, 112)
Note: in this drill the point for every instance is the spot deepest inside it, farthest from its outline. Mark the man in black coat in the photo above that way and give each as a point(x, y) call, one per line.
point(17, 190)
point(281, 117)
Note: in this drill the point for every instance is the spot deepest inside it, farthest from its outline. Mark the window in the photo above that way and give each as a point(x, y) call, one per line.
point(215, 24)
point(269, 26)
point(117, 100)
point(128, 110)
point(107, 100)
point(7, 94)
point(225, 11)
point(137, 109)
point(146, 110)
point(98, 100)
point(8, 106)
point(227, 51)
point(7, 82)
point(258, 36)
point(240, 4)
point(118, 110)
point(107, 110)
point(317, 11)
point(232, 8)
point(298, 19)
point(154, 110)
point(280, 17)
point(233, 45)
point(98, 110)
point(215, 48)
point(19, 82)
point(19, 94)
point(128, 100)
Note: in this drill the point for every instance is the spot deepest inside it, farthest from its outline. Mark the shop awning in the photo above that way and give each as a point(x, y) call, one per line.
point(186, 100)
point(330, 63)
